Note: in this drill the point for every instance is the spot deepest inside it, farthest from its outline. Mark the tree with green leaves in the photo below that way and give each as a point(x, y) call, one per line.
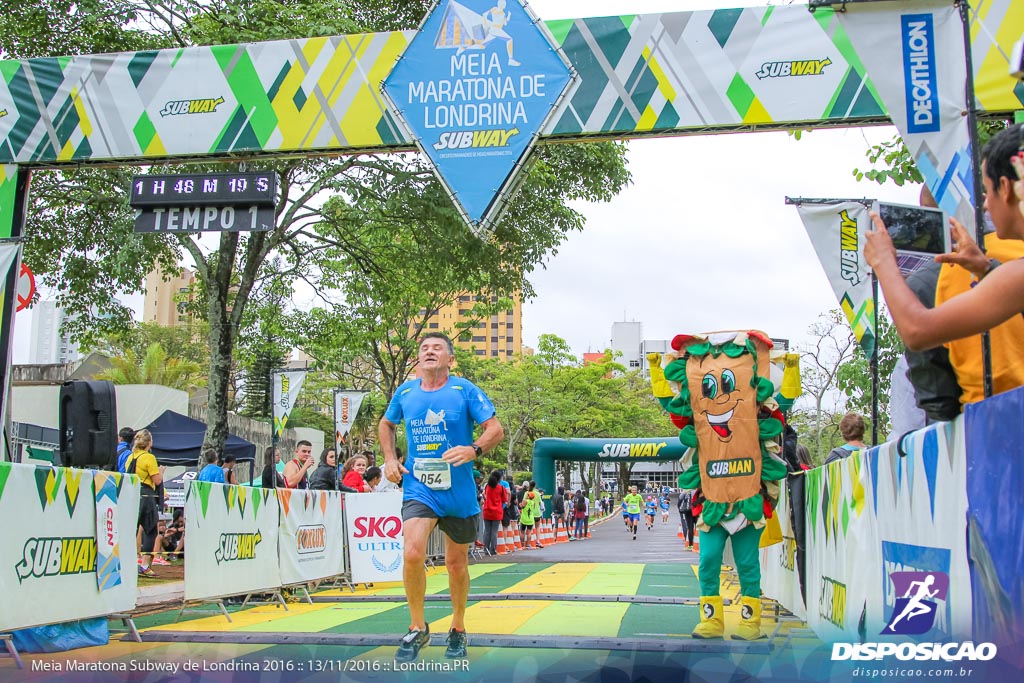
point(155, 367)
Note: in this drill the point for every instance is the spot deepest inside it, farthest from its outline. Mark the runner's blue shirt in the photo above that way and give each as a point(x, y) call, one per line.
point(434, 422)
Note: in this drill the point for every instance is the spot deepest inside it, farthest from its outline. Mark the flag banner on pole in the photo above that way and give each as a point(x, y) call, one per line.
point(914, 56)
point(837, 233)
point(7, 254)
point(346, 407)
point(287, 386)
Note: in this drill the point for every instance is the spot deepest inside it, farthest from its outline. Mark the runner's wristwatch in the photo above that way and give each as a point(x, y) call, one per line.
point(476, 449)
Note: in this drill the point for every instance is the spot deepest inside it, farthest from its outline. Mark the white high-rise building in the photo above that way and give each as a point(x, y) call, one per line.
point(48, 346)
point(626, 338)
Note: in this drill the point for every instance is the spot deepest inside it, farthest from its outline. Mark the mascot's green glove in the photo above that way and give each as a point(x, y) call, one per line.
point(659, 385)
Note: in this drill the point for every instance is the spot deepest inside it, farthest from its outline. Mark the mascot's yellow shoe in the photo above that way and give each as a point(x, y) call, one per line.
point(750, 625)
point(712, 620)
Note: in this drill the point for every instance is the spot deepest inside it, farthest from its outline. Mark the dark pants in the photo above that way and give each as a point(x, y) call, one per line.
point(491, 535)
point(148, 518)
point(689, 526)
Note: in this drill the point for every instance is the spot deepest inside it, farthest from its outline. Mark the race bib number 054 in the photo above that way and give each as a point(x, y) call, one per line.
point(434, 474)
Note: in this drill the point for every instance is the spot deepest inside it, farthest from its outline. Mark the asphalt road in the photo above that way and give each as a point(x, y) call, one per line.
point(610, 542)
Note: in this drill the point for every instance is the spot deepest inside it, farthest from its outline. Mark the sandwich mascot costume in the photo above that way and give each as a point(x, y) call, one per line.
point(727, 414)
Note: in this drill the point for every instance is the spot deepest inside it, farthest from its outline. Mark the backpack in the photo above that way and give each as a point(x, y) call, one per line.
point(685, 502)
point(581, 504)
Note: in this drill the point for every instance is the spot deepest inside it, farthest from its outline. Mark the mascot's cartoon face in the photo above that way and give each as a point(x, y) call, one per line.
point(725, 393)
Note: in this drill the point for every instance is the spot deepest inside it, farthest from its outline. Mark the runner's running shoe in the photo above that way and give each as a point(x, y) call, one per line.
point(410, 645)
point(456, 645)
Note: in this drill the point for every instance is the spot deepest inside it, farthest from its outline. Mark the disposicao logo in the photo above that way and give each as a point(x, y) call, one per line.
point(803, 67)
point(914, 613)
point(919, 74)
point(202, 106)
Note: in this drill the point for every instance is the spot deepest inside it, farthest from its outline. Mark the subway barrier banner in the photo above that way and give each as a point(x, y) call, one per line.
point(779, 576)
point(375, 541)
point(919, 503)
point(837, 232)
point(231, 534)
point(48, 548)
point(107, 487)
point(311, 544)
point(843, 561)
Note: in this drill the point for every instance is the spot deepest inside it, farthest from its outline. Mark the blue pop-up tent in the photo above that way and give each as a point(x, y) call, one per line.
point(178, 439)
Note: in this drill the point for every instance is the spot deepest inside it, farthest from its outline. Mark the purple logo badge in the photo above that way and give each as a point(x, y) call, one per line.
point(915, 611)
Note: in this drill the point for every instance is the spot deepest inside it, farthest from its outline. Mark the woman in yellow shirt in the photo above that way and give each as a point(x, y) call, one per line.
point(143, 463)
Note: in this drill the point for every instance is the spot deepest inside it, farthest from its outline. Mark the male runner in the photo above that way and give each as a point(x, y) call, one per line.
point(633, 501)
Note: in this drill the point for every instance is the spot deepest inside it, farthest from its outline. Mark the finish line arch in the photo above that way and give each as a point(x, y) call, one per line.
point(547, 450)
point(756, 68)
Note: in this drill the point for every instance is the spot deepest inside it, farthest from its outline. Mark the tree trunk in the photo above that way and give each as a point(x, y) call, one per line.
point(223, 328)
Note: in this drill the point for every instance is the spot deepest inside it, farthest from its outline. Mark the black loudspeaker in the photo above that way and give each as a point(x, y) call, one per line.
point(88, 424)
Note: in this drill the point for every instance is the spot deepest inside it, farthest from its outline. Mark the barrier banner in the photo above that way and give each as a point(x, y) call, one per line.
point(836, 230)
point(232, 540)
point(843, 562)
point(107, 488)
point(375, 541)
point(914, 55)
point(994, 433)
point(919, 502)
point(311, 544)
point(779, 576)
point(49, 547)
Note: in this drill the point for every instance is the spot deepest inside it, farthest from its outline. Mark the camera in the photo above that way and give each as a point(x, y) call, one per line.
point(1017, 61)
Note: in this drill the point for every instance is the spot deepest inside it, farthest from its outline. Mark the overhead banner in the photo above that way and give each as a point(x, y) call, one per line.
point(286, 388)
point(346, 407)
point(919, 502)
point(475, 87)
point(232, 540)
point(844, 565)
point(49, 546)
point(837, 232)
point(780, 578)
point(914, 55)
point(311, 544)
point(375, 541)
point(652, 73)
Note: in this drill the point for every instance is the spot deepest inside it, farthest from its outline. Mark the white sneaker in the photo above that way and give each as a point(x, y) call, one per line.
point(512, 62)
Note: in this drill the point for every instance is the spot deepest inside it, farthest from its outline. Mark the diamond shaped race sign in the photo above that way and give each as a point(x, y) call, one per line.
point(474, 88)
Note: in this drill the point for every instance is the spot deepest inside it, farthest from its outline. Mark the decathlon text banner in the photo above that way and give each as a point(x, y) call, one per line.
point(375, 541)
point(475, 87)
point(837, 232)
point(232, 540)
point(48, 548)
point(779, 576)
point(311, 544)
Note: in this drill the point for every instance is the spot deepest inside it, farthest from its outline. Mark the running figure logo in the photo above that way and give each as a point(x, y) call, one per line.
point(433, 419)
point(914, 613)
point(464, 29)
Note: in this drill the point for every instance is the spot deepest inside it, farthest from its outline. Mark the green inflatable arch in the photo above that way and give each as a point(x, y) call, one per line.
point(547, 451)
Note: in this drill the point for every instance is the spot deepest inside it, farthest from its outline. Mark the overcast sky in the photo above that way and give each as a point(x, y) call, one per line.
point(702, 240)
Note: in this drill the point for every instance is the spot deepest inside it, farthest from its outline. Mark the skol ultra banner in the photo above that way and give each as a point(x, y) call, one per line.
point(779, 576)
point(914, 54)
point(837, 232)
point(311, 544)
point(843, 560)
point(375, 542)
point(49, 545)
point(919, 501)
point(109, 567)
point(232, 540)
point(286, 388)
point(346, 407)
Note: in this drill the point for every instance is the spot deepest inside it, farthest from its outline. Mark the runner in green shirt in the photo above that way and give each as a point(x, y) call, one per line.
point(633, 501)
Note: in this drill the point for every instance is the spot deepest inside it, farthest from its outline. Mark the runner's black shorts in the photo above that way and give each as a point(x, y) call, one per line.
point(462, 530)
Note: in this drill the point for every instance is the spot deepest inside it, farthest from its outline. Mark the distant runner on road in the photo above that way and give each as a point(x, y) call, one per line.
point(633, 501)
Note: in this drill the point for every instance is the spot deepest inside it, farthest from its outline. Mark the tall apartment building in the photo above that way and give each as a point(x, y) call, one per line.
point(496, 336)
point(162, 304)
point(48, 345)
